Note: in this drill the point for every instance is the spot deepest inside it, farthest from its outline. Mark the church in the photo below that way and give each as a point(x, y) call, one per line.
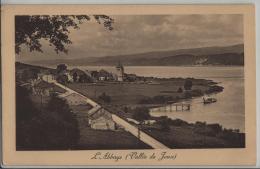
point(120, 72)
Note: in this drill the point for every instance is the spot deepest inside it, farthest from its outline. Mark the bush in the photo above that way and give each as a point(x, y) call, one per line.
point(75, 77)
point(180, 90)
point(105, 98)
point(53, 127)
point(187, 84)
point(215, 127)
point(196, 92)
point(200, 124)
point(214, 89)
point(179, 122)
point(63, 79)
point(160, 99)
point(237, 139)
point(164, 123)
point(61, 67)
point(141, 113)
point(207, 129)
point(84, 79)
point(187, 95)
point(146, 100)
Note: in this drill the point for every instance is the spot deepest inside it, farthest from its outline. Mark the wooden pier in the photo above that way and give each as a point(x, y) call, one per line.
point(173, 107)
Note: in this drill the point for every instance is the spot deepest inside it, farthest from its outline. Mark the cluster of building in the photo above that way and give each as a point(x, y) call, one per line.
point(77, 75)
point(39, 81)
point(40, 84)
point(86, 76)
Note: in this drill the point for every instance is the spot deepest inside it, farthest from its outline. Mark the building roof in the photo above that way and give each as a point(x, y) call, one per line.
point(77, 70)
point(100, 113)
point(82, 108)
point(67, 94)
point(44, 85)
point(80, 72)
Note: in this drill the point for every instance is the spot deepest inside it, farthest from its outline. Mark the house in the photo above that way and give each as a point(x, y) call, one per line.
point(43, 88)
point(70, 78)
point(102, 78)
point(114, 76)
point(101, 120)
point(103, 75)
point(94, 75)
point(130, 77)
point(75, 73)
point(79, 75)
point(74, 99)
point(46, 77)
point(149, 122)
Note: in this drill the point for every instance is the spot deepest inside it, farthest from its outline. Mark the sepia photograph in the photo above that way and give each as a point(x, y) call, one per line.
point(129, 82)
point(129, 85)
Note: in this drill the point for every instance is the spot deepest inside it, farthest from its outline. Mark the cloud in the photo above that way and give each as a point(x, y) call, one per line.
point(144, 33)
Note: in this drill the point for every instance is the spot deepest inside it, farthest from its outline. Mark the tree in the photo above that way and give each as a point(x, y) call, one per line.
point(63, 79)
point(164, 124)
point(180, 90)
point(141, 113)
point(84, 78)
point(23, 104)
point(75, 77)
point(61, 68)
point(29, 74)
point(104, 97)
point(55, 29)
point(187, 84)
point(53, 127)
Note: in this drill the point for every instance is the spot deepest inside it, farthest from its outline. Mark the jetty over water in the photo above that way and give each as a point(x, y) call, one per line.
point(173, 107)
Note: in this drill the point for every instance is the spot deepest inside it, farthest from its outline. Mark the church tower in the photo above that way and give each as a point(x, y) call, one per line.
point(120, 72)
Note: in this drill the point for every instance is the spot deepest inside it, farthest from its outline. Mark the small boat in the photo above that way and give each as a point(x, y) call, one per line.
point(209, 100)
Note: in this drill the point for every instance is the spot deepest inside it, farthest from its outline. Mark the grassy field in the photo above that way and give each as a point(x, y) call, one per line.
point(180, 134)
point(132, 93)
point(187, 137)
point(91, 139)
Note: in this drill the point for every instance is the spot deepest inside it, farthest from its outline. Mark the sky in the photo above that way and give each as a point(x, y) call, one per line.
point(146, 33)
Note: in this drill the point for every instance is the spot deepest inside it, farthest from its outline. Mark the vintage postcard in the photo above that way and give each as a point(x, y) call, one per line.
point(160, 85)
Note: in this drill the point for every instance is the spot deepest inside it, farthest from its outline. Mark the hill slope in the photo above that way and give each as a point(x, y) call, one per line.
point(229, 55)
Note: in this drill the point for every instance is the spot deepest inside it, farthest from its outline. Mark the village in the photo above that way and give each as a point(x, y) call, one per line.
point(45, 83)
point(103, 105)
point(41, 83)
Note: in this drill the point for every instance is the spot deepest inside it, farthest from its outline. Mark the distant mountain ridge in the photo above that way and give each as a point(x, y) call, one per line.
point(228, 55)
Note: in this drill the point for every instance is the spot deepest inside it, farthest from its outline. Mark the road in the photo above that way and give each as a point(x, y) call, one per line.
point(70, 91)
point(127, 126)
point(134, 131)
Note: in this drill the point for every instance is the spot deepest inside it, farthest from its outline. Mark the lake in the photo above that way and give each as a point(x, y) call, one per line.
point(229, 110)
